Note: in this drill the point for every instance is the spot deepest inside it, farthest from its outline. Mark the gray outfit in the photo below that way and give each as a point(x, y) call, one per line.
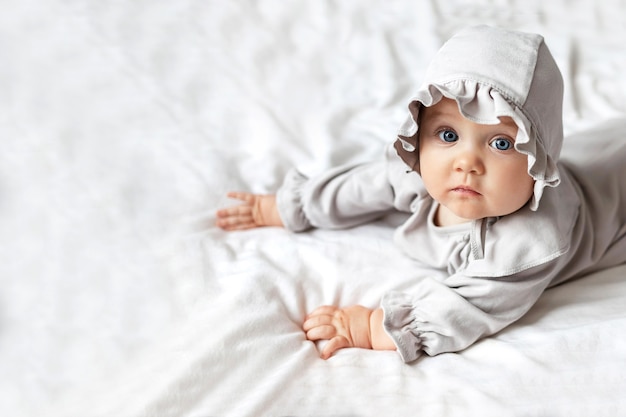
point(489, 272)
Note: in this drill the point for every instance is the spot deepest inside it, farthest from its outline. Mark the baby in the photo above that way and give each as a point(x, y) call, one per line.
point(492, 209)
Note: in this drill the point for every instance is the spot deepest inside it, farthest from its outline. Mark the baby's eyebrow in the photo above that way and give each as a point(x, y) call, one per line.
point(437, 112)
point(507, 121)
point(438, 117)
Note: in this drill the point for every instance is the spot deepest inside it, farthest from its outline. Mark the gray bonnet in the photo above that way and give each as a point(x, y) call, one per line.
point(493, 72)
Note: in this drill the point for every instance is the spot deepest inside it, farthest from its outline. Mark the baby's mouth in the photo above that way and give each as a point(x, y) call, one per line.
point(465, 190)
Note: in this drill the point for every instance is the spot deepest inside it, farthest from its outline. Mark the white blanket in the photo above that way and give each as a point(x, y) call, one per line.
point(123, 124)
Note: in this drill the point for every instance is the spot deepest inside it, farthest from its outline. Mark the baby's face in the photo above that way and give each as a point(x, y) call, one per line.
point(472, 170)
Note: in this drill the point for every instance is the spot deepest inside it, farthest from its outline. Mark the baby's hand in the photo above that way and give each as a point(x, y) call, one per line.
point(255, 211)
point(354, 326)
point(343, 328)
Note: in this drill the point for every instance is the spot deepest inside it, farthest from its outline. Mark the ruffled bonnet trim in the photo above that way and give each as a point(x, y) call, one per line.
point(481, 103)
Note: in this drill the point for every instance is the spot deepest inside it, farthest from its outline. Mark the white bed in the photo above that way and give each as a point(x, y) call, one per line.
point(124, 123)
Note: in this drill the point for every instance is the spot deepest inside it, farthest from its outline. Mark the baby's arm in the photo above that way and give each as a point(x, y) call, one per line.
point(255, 211)
point(355, 326)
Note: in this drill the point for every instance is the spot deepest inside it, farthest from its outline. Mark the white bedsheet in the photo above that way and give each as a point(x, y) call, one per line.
point(124, 123)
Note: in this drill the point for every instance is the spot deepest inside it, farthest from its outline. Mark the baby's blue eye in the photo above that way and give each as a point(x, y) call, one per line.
point(448, 136)
point(502, 144)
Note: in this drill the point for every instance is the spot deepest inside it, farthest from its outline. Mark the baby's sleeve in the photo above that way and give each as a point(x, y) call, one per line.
point(348, 195)
point(450, 315)
point(289, 202)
